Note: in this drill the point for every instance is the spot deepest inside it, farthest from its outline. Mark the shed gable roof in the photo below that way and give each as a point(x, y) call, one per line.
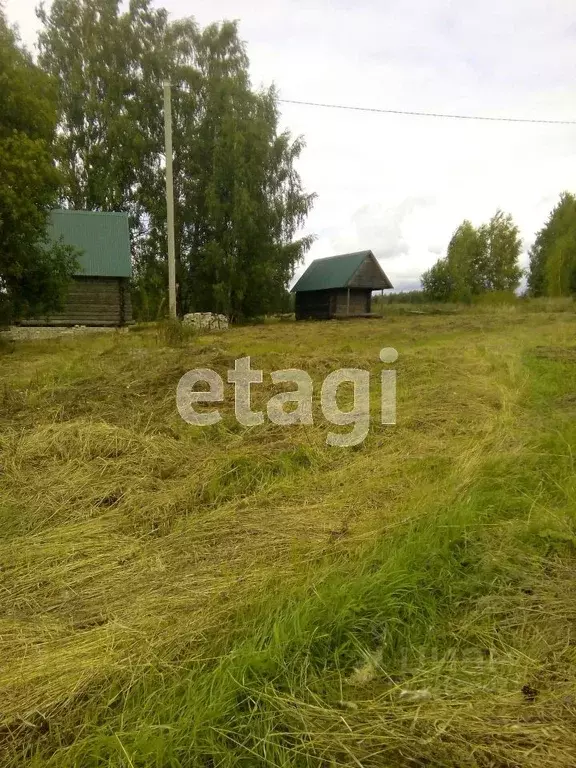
point(339, 272)
point(103, 239)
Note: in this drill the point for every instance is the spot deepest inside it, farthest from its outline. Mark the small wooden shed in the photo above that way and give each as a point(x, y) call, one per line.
point(99, 294)
point(339, 286)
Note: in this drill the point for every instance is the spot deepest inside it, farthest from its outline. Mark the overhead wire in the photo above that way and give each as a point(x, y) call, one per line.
point(429, 114)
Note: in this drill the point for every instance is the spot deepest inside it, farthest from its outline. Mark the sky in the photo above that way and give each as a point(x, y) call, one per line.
point(400, 185)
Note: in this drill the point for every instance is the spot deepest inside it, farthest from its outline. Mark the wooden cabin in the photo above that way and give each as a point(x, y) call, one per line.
point(339, 286)
point(99, 294)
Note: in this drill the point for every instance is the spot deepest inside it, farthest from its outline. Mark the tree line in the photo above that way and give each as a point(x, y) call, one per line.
point(484, 259)
point(82, 127)
point(88, 133)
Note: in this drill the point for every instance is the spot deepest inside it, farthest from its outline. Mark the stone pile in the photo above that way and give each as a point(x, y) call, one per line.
point(206, 321)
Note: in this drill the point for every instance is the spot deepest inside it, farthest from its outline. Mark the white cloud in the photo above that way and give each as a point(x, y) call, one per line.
point(516, 58)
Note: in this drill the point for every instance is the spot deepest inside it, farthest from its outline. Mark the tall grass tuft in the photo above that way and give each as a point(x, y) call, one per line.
point(174, 333)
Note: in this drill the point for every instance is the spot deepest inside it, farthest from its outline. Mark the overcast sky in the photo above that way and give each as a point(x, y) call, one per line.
point(401, 185)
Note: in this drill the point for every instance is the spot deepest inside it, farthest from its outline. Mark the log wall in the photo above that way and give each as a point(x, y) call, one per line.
point(323, 305)
point(95, 301)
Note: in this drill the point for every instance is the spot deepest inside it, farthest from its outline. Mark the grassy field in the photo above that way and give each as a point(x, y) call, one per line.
point(178, 596)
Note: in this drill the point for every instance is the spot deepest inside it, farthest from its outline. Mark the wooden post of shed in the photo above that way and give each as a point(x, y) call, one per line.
point(348, 302)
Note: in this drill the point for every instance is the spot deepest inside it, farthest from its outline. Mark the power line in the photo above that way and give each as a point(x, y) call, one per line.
point(429, 114)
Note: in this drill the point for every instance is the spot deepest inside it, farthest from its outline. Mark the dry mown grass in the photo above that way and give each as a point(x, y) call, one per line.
point(132, 543)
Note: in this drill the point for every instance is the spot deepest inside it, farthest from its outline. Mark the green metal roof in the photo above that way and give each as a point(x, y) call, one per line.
point(102, 237)
point(332, 272)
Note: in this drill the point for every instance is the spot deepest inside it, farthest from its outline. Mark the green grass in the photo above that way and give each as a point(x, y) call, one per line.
point(179, 596)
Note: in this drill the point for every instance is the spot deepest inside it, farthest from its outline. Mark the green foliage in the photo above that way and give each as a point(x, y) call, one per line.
point(109, 67)
point(149, 297)
point(238, 199)
point(478, 261)
point(437, 282)
point(553, 255)
point(466, 262)
point(500, 248)
point(33, 273)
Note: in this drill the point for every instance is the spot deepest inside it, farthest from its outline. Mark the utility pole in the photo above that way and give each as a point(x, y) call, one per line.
point(169, 200)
